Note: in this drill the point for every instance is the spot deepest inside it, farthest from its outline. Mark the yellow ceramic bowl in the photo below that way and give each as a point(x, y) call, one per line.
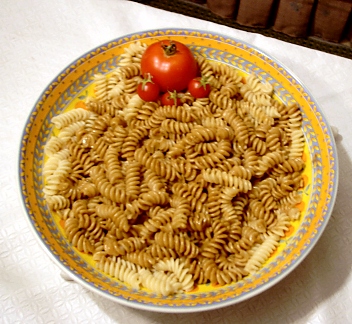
point(70, 88)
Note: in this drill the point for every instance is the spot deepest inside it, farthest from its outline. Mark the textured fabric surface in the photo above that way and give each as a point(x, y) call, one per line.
point(251, 22)
point(254, 13)
point(292, 17)
point(223, 8)
point(328, 12)
point(37, 40)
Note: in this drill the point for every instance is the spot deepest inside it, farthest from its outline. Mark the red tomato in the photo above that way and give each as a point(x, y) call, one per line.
point(199, 87)
point(148, 90)
point(171, 64)
point(170, 99)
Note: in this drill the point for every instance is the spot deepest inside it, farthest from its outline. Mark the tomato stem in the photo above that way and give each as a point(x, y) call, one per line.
point(204, 80)
point(147, 78)
point(174, 96)
point(169, 49)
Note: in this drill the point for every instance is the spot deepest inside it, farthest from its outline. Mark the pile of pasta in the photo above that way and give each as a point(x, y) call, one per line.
point(170, 197)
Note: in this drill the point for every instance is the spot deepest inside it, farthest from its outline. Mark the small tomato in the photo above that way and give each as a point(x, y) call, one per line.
point(171, 64)
point(170, 99)
point(199, 87)
point(148, 90)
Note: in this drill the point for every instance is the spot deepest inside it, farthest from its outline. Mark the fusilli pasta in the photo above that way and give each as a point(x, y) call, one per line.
point(168, 197)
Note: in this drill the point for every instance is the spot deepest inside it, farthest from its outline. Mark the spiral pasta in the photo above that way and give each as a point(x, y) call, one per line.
point(168, 197)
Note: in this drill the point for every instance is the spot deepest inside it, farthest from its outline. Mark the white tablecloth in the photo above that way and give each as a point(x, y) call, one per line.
point(38, 39)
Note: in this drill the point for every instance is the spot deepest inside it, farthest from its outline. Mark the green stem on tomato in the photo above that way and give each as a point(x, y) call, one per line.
point(147, 78)
point(174, 95)
point(169, 49)
point(204, 80)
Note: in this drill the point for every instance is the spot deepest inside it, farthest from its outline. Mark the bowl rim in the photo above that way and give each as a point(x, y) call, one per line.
point(198, 307)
